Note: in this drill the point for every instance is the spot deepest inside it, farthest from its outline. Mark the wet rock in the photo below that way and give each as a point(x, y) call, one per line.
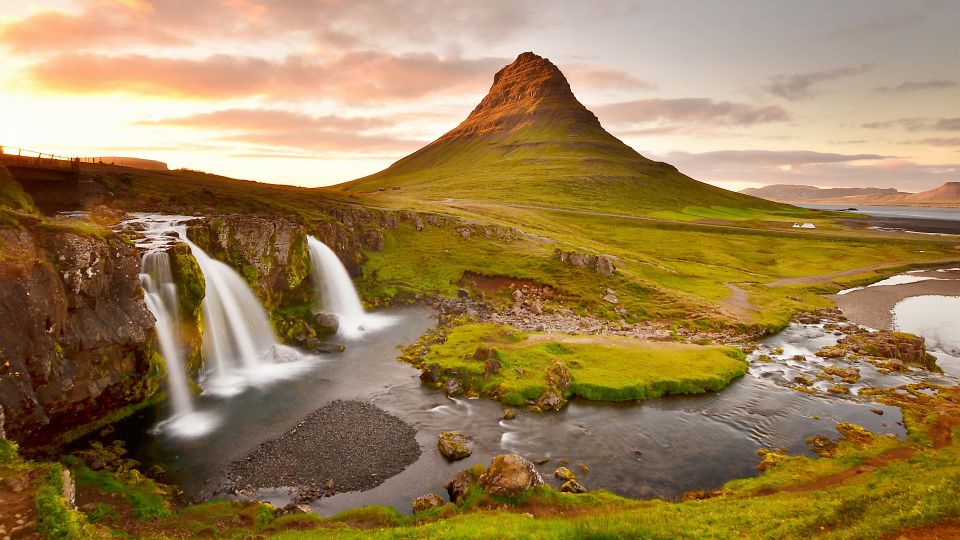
point(454, 445)
point(458, 486)
point(327, 321)
point(452, 387)
point(877, 411)
point(509, 414)
point(572, 486)
point(565, 474)
point(427, 502)
point(510, 475)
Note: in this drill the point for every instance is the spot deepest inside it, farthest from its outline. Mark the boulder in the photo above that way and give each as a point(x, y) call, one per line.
point(509, 414)
point(458, 486)
point(328, 322)
point(572, 486)
point(426, 502)
point(565, 474)
point(602, 264)
point(510, 475)
point(454, 445)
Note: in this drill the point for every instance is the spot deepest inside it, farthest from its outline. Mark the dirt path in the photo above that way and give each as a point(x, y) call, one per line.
point(738, 304)
point(825, 278)
point(872, 464)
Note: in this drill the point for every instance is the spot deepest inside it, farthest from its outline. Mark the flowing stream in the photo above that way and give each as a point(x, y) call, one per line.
point(654, 448)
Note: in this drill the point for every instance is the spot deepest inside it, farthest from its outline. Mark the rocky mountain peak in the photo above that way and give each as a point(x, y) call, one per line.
point(524, 91)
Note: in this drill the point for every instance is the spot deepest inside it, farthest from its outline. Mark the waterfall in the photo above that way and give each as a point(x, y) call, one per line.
point(160, 294)
point(337, 295)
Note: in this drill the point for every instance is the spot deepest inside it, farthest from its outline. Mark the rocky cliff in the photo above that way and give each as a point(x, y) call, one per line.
point(76, 339)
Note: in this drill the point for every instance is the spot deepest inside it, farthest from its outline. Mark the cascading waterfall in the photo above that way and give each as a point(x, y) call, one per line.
point(239, 348)
point(160, 294)
point(337, 293)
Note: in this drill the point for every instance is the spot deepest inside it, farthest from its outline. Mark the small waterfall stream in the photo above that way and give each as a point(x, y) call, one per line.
point(337, 295)
point(160, 295)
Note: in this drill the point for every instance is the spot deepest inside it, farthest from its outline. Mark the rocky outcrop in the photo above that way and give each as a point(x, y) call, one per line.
point(600, 264)
point(270, 253)
point(76, 339)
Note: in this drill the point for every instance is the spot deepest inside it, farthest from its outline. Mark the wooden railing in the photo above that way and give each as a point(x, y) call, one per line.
point(43, 160)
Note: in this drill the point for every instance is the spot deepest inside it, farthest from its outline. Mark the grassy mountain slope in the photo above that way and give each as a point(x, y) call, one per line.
point(530, 141)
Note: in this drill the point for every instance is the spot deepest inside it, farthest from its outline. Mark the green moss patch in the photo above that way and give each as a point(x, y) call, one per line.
point(505, 364)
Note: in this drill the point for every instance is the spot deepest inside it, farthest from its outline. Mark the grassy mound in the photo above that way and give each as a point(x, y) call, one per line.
point(602, 368)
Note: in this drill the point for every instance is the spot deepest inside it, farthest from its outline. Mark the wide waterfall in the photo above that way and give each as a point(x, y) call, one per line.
point(239, 347)
point(160, 295)
point(337, 295)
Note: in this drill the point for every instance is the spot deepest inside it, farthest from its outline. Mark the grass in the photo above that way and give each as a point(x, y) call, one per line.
point(604, 369)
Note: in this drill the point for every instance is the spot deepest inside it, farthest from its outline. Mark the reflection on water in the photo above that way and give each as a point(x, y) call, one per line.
point(658, 448)
point(937, 319)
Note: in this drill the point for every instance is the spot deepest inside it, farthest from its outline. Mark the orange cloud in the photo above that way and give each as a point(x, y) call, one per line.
point(354, 77)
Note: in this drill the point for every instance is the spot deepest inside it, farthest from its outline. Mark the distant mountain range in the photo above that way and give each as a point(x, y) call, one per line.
point(947, 195)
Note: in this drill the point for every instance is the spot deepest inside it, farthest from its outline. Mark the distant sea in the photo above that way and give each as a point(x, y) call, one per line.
point(948, 214)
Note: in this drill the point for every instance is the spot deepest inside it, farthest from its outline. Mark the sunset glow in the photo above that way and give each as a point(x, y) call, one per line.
point(319, 92)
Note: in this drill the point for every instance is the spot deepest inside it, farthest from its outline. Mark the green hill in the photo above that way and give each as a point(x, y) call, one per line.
point(531, 142)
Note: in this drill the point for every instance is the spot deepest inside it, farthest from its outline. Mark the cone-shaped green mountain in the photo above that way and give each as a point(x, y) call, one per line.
point(530, 141)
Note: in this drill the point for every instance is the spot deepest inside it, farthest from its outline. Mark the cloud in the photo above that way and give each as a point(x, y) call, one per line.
point(947, 124)
point(268, 120)
point(800, 86)
point(353, 77)
point(122, 25)
point(762, 167)
point(293, 130)
point(940, 141)
point(918, 124)
point(594, 76)
point(771, 158)
point(105, 24)
point(914, 86)
point(685, 113)
point(327, 141)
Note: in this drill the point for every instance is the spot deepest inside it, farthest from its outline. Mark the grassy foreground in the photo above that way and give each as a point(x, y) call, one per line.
point(864, 486)
point(516, 368)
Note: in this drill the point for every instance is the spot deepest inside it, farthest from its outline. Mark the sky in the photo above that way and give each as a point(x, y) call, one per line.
point(738, 93)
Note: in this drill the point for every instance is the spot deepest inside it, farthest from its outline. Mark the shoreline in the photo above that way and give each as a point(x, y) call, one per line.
point(872, 306)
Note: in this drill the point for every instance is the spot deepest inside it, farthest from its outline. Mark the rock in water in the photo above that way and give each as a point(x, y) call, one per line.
point(510, 475)
point(454, 445)
point(426, 502)
point(328, 321)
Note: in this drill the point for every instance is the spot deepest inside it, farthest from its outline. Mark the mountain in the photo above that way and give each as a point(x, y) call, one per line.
point(137, 163)
point(530, 141)
point(790, 193)
point(946, 195)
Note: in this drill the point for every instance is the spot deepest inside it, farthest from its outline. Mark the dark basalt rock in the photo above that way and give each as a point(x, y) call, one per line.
point(76, 339)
